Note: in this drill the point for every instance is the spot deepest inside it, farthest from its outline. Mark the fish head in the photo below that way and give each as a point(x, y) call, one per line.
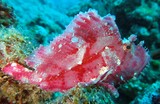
point(135, 57)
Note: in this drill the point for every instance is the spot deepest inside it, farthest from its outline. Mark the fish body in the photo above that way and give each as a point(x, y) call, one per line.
point(89, 51)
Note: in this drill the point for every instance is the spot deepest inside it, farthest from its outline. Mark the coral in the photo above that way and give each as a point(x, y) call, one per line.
point(6, 15)
point(85, 95)
point(130, 90)
point(152, 73)
point(151, 95)
point(143, 20)
point(13, 46)
point(42, 20)
point(136, 88)
point(13, 92)
point(102, 6)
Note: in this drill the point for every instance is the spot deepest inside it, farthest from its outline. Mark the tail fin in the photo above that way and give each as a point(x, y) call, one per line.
point(18, 72)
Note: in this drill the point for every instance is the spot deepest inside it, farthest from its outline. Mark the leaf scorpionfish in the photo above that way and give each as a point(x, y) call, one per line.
point(90, 51)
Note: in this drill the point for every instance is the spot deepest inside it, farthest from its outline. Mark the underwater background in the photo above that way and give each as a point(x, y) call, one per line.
point(25, 24)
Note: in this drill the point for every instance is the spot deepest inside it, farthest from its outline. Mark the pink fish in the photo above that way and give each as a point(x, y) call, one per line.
point(90, 51)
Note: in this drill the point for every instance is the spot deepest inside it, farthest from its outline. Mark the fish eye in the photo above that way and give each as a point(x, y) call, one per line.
point(127, 47)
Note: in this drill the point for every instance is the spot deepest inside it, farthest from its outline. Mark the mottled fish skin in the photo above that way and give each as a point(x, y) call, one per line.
point(89, 51)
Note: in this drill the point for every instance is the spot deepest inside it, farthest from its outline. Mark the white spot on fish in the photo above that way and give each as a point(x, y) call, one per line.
point(88, 17)
point(60, 45)
point(74, 39)
point(14, 64)
point(141, 43)
point(106, 47)
point(118, 61)
point(93, 79)
point(16, 69)
point(24, 79)
point(103, 70)
point(111, 28)
point(27, 70)
point(44, 84)
point(48, 50)
point(106, 24)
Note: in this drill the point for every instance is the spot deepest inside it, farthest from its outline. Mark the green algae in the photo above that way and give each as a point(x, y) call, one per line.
point(84, 95)
point(13, 46)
